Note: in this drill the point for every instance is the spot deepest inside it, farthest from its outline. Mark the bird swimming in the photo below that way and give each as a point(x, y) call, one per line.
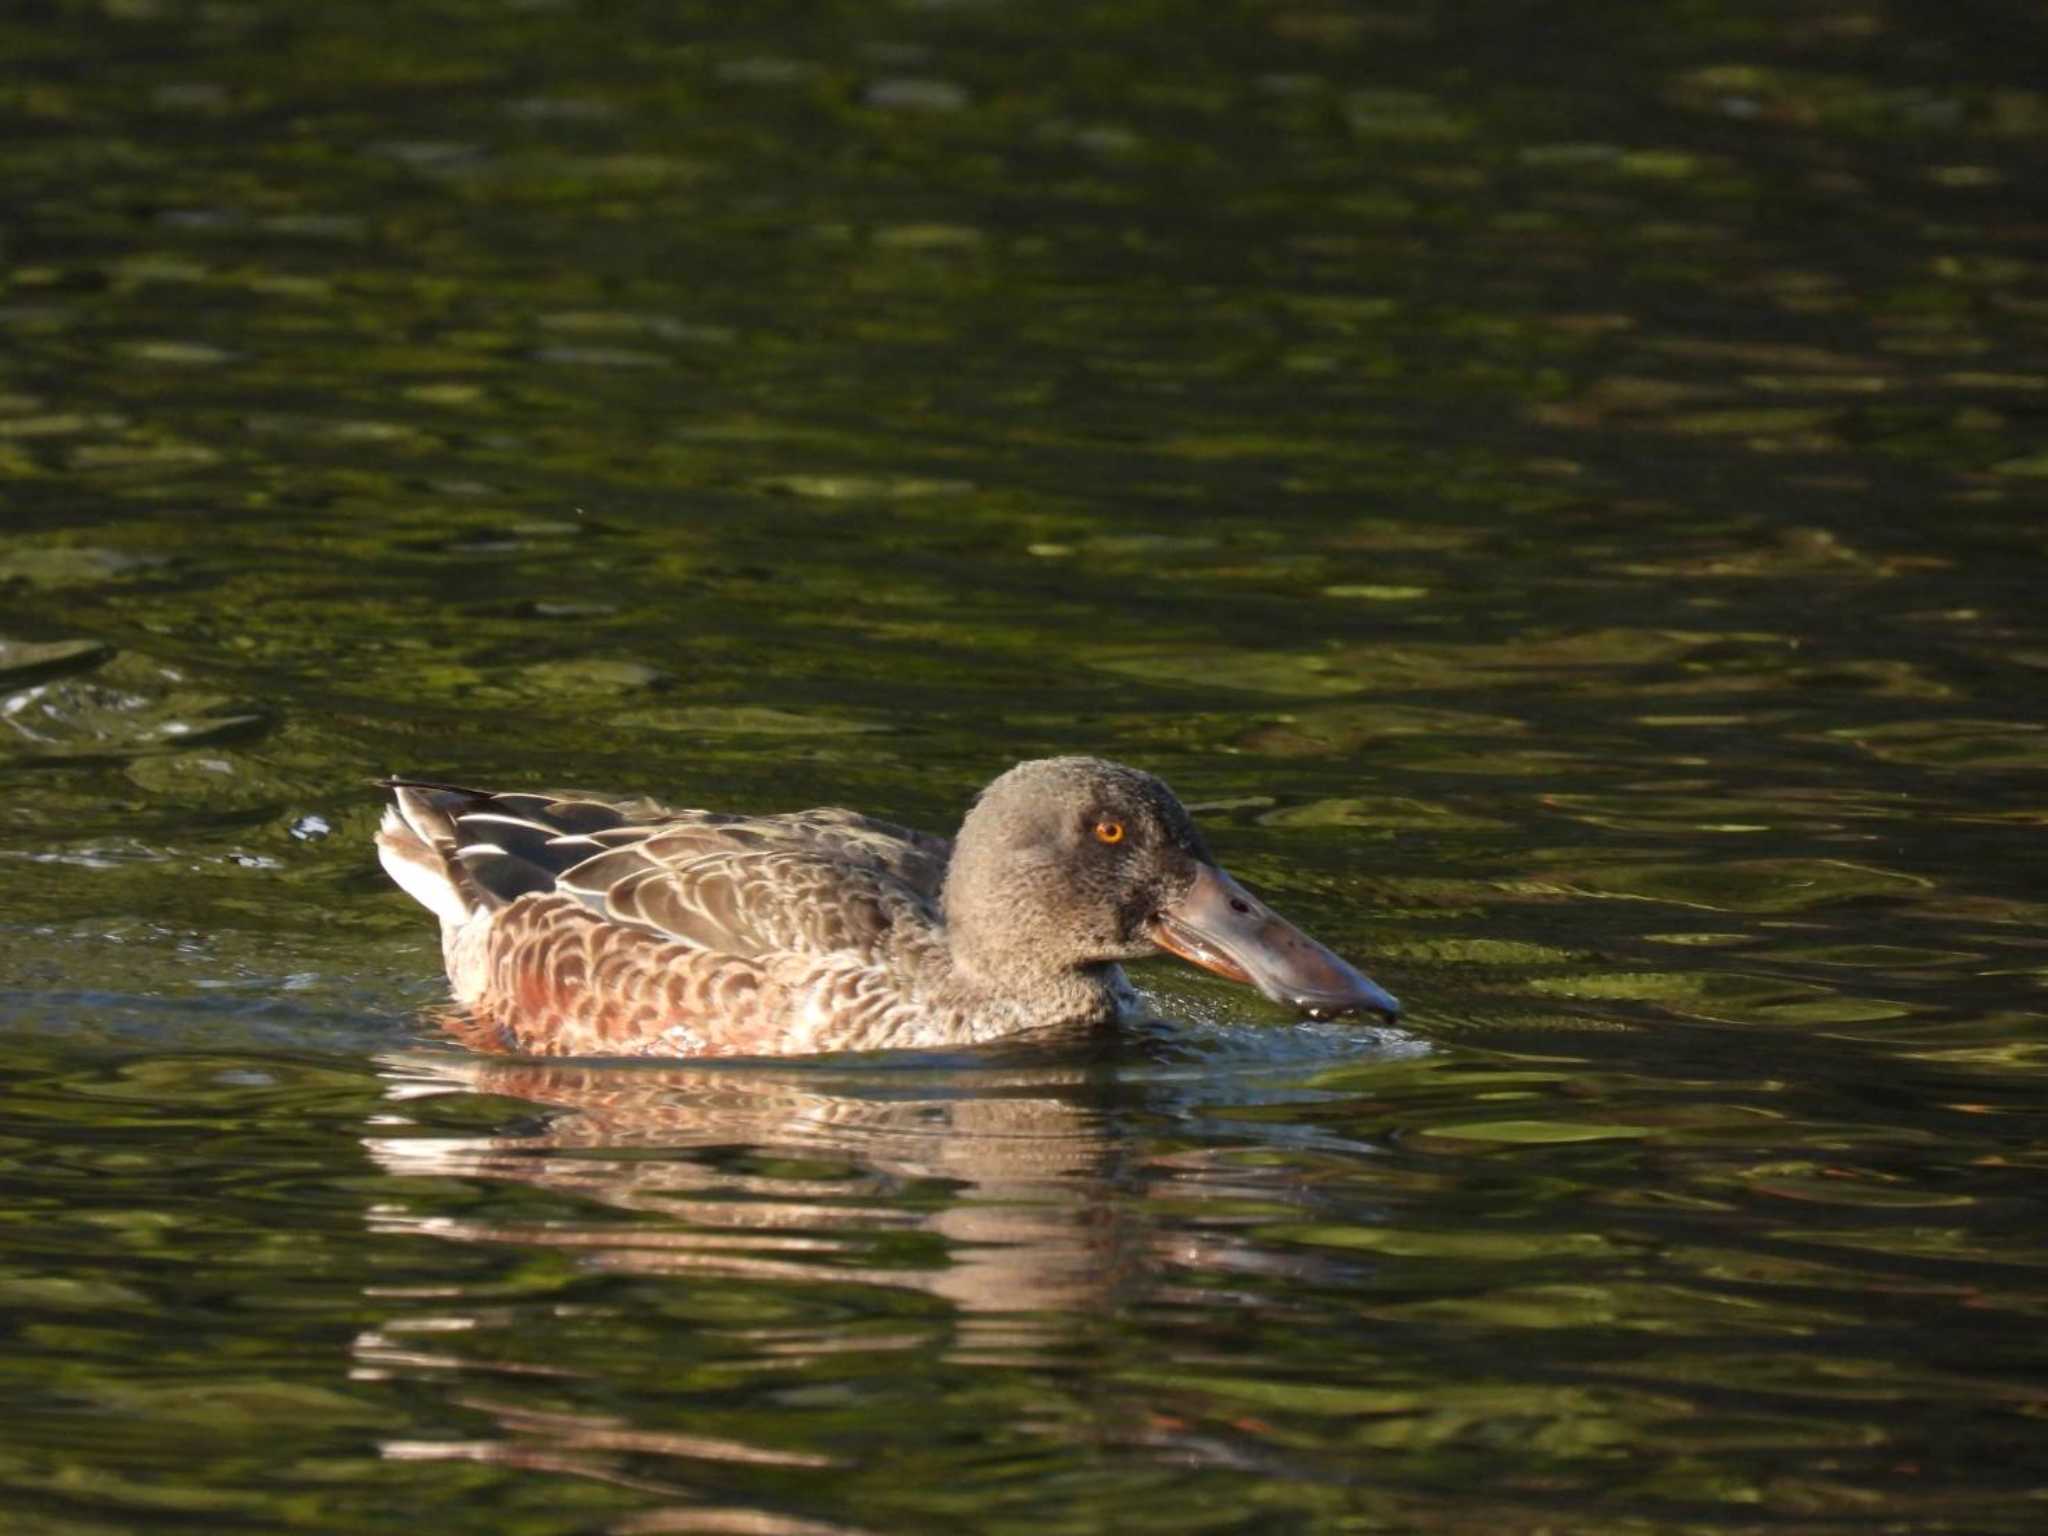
point(578, 925)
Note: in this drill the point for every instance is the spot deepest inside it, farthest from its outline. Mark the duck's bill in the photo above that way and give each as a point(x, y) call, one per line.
point(1222, 927)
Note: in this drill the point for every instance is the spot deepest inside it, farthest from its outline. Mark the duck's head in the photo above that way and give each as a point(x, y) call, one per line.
point(1068, 862)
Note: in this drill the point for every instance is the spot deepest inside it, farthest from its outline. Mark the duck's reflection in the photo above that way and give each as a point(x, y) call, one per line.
point(774, 1174)
point(1024, 1201)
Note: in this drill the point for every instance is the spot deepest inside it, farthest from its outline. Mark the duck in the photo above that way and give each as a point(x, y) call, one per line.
point(580, 925)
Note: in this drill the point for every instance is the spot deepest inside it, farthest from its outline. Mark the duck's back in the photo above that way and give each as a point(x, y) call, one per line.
point(577, 924)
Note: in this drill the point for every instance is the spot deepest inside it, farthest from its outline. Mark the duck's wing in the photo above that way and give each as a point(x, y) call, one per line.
point(917, 859)
point(748, 886)
point(755, 903)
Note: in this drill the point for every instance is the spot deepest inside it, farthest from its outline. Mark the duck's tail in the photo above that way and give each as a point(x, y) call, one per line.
point(418, 844)
point(458, 852)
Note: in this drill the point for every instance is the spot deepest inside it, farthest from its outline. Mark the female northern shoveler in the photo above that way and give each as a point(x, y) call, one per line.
point(577, 926)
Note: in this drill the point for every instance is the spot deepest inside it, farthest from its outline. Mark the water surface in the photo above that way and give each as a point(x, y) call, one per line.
point(1560, 487)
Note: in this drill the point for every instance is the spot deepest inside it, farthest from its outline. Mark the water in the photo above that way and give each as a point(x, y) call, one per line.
point(1561, 488)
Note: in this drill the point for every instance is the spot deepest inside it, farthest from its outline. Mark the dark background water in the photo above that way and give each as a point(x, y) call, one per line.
point(1562, 484)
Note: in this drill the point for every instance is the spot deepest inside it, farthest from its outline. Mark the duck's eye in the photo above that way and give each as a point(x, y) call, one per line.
point(1108, 830)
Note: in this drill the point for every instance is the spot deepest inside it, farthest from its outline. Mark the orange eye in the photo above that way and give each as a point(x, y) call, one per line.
point(1107, 831)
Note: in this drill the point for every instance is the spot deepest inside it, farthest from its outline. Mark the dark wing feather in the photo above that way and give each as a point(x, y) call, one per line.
point(563, 814)
point(502, 876)
point(522, 839)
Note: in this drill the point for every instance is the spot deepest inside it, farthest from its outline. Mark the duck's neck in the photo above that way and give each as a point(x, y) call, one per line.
point(1014, 977)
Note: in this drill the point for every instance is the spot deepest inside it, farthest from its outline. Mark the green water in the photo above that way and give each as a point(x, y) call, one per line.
point(1563, 486)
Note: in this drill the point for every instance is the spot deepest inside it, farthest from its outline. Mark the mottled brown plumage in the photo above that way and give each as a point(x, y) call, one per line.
point(576, 925)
